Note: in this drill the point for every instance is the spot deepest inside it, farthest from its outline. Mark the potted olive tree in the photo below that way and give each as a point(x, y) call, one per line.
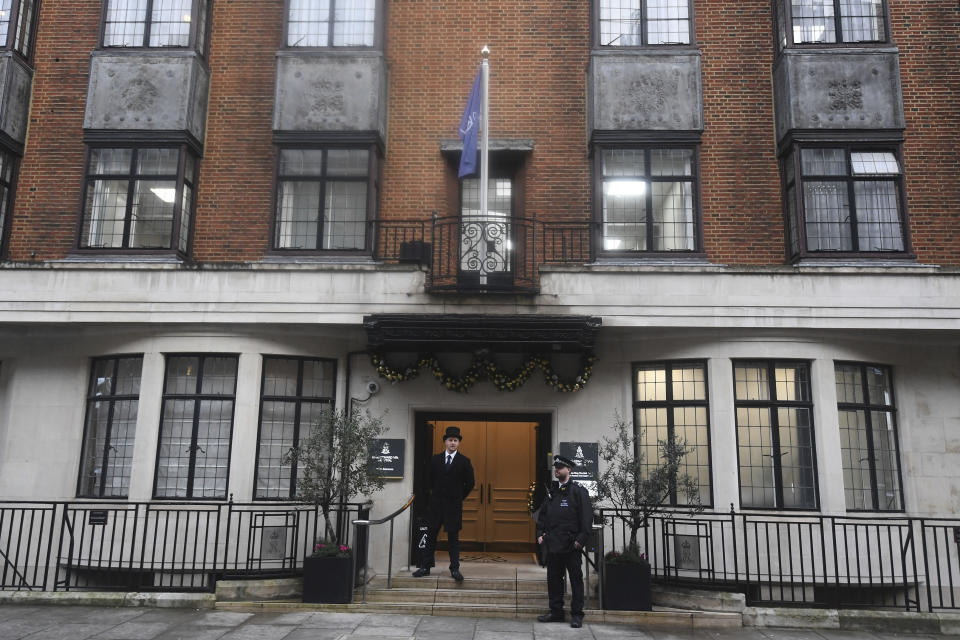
point(332, 468)
point(637, 490)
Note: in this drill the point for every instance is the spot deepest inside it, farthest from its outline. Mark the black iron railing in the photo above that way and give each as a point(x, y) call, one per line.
point(153, 546)
point(873, 561)
point(483, 254)
point(869, 561)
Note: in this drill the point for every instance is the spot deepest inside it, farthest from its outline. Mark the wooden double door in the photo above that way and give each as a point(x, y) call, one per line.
point(503, 454)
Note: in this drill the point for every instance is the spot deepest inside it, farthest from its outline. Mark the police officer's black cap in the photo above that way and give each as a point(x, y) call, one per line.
point(560, 461)
point(452, 432)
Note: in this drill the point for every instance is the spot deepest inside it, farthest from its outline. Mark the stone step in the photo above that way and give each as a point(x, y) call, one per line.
point(468, 584)
point(457, 596)
point(698, 599)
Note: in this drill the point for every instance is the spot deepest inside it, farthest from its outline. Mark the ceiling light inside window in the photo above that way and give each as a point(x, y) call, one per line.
point(626, 188)
point(186, 17)
point(166, 194)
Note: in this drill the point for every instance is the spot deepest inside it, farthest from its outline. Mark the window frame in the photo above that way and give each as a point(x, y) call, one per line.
point(644, 30)
point(6, 224)
point(184, 149)
point(648, 145)
point(14, 33)
point(374, 167)
point(192, 39)
point(772, 404)
point(103, 456)
point(198, 398)
point(784, 9)
point(867, 408)
point(379, 25)
point(298, 399)
point(671, 404)
point(795, 179)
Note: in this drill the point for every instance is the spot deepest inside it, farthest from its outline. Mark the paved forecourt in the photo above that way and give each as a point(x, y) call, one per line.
point(105, 623)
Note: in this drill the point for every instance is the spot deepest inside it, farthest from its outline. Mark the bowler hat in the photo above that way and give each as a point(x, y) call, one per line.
point(452, 432)
point(560, 461)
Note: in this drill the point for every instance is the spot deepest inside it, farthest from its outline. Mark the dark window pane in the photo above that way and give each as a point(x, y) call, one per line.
point(285, 423)
point(110, 427)
point(878, 216)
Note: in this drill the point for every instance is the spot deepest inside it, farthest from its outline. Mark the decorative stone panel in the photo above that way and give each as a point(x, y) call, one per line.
point(837, 90)
point(16, 79)
point(331, 92)
point(642, 90)
point(157, 91)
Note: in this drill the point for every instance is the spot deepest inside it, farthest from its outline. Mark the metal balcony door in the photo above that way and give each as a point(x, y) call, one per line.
point(486, 241)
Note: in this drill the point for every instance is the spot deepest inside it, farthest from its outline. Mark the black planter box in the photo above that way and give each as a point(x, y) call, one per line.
point(626, 586)
point(328, 580)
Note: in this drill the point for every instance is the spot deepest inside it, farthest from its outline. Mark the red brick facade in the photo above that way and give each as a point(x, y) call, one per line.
point(540, 51)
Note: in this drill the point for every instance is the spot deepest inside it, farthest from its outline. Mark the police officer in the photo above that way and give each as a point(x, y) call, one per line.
point(564, 526)
point(451, 481)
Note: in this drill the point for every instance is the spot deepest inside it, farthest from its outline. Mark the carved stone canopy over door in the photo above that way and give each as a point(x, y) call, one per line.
point(486, 247)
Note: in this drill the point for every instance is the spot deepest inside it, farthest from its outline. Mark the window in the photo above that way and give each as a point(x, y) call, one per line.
point(8, 165)
point(486, 245)
point(296, 391)
point(155, 23)
point(196, 424)
point(17, 23)
point(868, 437)
point(848, 201)
point(323, 199)
point(647, 200)
point(634, 23)
point(111, 422)
point(139, 198)
point(670, 401)
point(831, 21)
point(775, 435)
point(331, 23)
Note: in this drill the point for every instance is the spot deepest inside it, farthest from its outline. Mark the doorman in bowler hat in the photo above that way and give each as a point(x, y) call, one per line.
point(564, 526)
point(451, 481)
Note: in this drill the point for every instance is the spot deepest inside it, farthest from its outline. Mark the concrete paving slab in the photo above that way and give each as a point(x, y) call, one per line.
point(134, 630)
point(791, 634)
point(315, 633)
point(442, 624)
point(197, 633)
point(612, 632)
point(391, 620)
point(489, 634)
point(222, 618)
point(334, 620)
point(494, 624)
point(384, 631)
point(259, 632)
point(69, 631)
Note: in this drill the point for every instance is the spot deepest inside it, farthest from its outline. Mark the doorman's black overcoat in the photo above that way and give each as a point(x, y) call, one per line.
point(448, 489)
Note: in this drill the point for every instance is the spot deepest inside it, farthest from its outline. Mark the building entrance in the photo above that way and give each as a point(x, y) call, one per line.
point(504, 453)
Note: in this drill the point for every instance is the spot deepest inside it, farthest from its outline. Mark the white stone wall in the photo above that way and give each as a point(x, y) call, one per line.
point(44, 373)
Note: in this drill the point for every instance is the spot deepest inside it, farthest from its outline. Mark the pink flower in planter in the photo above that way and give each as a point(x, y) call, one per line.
point(344, 547)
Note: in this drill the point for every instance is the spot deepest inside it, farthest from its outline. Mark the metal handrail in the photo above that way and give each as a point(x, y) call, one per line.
point(369, 523)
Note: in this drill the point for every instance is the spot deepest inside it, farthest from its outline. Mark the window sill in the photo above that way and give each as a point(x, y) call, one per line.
point(648, 50)
point(839, 48)
point(113, 258)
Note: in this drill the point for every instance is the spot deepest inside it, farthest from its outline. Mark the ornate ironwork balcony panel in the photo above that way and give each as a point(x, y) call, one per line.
point(484, 254)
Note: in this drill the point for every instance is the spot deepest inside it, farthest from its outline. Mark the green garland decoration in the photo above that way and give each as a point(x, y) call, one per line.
point(482, 367)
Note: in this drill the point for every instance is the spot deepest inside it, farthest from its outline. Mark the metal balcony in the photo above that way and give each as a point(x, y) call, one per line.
point(489, 254)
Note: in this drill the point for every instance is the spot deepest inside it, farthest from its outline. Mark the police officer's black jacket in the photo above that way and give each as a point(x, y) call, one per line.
point(566, 517)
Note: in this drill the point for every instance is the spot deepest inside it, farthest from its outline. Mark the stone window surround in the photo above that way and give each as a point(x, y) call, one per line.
point(315, 141)
point(784, 40)
point(646, 140)
point(849, 141)
point(133, 142)
point(379, 32)
point(192, 46)
point(595, 29)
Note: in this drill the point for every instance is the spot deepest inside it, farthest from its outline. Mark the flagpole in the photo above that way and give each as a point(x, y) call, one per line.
point(484, 133)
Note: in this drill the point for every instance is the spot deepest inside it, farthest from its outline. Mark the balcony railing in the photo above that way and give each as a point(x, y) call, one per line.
point(491, 254)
